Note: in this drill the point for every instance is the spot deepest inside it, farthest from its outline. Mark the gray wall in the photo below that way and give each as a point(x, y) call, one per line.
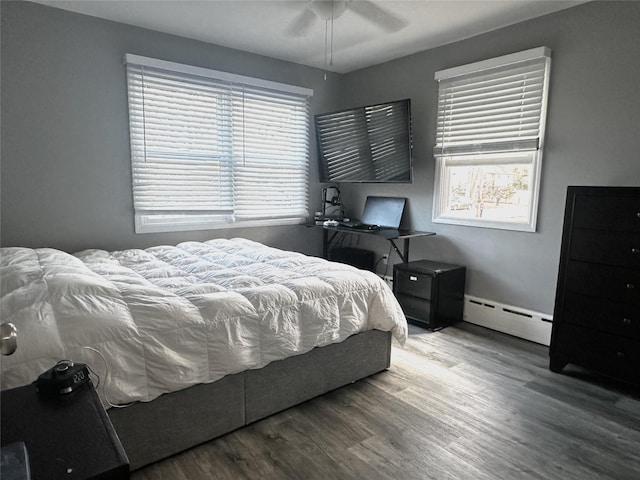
point(592, 138)
point(66, 172)
point(65, 175)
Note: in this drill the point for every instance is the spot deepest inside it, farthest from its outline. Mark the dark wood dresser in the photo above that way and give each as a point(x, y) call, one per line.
point(596, 321)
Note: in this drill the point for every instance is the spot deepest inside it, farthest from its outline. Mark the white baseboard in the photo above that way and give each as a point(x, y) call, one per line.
point(516, 321)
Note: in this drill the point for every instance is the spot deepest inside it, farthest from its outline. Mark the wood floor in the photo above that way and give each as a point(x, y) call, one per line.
point(461, 403)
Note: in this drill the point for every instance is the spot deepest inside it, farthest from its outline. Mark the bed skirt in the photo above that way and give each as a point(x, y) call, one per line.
point(177, 421)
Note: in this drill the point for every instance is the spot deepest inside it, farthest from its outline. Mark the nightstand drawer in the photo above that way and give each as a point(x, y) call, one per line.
point(415, 308)
point(602, 281)
point(413, 284)
point(620, 213)
point(603, 315)
point(613, 248)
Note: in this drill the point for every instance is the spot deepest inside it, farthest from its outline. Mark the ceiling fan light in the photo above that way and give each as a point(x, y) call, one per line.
point(329, 9)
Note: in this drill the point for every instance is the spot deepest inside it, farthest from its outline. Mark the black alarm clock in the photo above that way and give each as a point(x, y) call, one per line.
point(65, 377)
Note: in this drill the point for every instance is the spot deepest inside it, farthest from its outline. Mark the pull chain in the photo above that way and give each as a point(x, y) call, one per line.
point(331, 44)
point(328, 40)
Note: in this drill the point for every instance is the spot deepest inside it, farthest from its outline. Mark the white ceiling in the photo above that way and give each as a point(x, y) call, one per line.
point(367, 33)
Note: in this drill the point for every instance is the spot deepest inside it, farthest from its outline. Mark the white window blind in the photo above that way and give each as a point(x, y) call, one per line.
point(212, 149)
point(493, 106)
point(489, 141)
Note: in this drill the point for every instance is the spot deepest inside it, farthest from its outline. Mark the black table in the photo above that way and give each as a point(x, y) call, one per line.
point(69, 437)
point(329, 234)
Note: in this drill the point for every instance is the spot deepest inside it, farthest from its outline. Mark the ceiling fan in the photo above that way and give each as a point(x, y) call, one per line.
point(329, 10)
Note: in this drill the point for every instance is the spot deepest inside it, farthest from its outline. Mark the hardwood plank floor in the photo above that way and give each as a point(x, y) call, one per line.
point(461, 403)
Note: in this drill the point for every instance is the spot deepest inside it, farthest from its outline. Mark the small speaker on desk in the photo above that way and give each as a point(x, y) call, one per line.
point(357, 257)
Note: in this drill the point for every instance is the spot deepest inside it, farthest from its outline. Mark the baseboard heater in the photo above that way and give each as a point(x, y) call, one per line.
point(519, 322)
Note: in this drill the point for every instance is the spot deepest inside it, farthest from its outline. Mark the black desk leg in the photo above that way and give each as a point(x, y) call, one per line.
point(325, 243)
point(403, 256)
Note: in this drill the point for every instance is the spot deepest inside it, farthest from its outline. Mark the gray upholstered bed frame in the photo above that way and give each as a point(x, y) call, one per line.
point(177, 421)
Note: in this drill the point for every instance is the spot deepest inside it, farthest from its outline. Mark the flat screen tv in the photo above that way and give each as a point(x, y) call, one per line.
point(369, 144)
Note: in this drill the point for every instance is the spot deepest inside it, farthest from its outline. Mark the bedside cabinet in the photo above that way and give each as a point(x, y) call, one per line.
point(430, 293)
point(68, 437)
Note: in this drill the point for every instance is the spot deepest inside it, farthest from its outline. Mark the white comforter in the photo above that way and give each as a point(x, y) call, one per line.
point(167, 317)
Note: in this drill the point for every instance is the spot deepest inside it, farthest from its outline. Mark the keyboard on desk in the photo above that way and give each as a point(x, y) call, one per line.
point(359, 226)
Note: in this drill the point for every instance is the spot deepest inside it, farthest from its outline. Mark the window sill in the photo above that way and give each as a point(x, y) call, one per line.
point(143, 226)
point(518, 227)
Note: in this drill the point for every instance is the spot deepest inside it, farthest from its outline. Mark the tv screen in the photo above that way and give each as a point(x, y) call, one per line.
point(366, 144)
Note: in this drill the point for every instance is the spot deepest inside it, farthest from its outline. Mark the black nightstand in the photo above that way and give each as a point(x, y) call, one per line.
point(69, 437)
point(431, 293)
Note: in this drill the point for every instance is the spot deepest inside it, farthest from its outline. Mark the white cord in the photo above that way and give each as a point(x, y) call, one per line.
point(106, 378)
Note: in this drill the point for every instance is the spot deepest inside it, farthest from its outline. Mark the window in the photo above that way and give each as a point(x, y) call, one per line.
point(211, 149)
point(489, 141)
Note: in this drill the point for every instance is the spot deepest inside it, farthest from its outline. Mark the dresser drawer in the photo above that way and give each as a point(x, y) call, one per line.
point(608, 354)
point(603, 315)
point(613, 248)
point(607, 212)
point(603, 281)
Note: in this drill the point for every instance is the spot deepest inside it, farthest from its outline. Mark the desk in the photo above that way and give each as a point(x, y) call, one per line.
point(69, 437)
point(390, 234)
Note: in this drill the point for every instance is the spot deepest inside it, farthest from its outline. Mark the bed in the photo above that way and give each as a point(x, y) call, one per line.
point(195, 340)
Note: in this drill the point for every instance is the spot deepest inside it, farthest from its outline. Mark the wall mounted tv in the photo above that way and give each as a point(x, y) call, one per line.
point(369, 144)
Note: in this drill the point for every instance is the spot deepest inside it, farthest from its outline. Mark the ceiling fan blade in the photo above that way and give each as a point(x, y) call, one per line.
point(301, 24)
point(377, 15)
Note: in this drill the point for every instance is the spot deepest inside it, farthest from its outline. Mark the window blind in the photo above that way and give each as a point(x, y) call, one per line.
point(210, 144)
point(270, 144)
point(494, 106)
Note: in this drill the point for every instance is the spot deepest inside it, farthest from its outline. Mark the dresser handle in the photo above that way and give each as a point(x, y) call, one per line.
point(626, 321)
point(621, 355)
point(635, 251)
point(630, 286)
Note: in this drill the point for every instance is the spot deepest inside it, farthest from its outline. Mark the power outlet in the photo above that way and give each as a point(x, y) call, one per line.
point(385, 259)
